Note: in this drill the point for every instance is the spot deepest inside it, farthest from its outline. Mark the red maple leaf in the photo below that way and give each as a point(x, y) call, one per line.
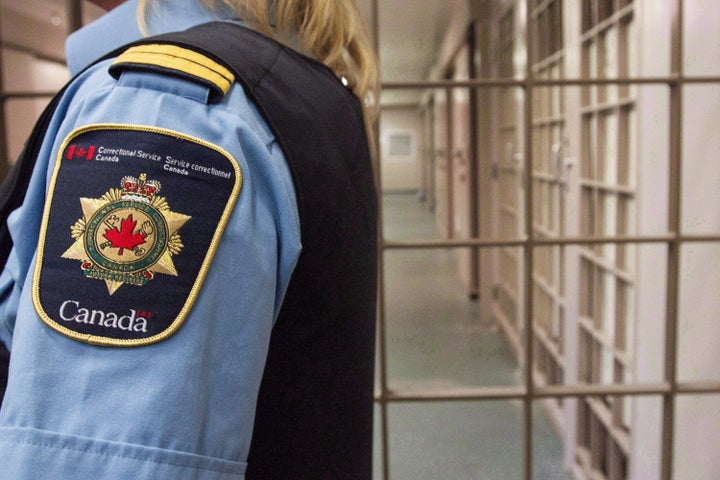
point(125, 238)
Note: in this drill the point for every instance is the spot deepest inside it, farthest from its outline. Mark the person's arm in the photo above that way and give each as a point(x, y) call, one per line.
point(4, 365)
point(114, 376)
point(5, 337)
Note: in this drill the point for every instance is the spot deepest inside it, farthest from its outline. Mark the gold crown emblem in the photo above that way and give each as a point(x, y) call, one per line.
point(142, 189)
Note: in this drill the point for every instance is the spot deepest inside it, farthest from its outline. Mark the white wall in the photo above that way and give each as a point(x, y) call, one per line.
point(34, 33)
point(698, 417)
point(697, 426)
point(653, 109)
point(23, 71)
point(400, 168)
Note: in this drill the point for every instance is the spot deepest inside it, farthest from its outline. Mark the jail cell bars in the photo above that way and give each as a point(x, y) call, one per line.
point(585, 126)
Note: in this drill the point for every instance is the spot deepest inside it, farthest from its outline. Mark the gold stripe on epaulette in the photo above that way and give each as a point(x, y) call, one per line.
point(179, 59)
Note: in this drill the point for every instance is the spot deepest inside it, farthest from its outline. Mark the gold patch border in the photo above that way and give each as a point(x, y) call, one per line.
point(204, 267)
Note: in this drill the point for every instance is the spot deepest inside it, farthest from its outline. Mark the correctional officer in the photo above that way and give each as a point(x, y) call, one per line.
point(190, 294)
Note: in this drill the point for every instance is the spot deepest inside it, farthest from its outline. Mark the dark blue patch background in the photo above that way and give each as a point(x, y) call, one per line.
point(201, 196)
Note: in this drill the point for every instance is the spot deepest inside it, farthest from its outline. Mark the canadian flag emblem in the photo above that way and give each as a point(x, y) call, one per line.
point(80, 152)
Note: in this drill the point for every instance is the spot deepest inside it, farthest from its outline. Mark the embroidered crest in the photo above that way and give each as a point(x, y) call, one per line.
point(132, 221)
point(128, 235)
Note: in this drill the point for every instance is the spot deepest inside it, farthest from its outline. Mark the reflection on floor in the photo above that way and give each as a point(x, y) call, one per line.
point(435, 340)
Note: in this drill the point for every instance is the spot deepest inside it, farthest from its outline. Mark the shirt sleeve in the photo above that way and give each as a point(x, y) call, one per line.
point(8, 305)
point(135, 409)
point(23, 225)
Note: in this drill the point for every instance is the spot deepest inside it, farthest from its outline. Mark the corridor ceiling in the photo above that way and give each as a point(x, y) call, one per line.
point(412, 37)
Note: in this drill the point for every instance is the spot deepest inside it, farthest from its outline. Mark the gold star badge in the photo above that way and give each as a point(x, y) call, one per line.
point(127, 235)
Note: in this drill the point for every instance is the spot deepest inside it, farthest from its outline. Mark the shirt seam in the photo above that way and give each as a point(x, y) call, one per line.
point(128, 457)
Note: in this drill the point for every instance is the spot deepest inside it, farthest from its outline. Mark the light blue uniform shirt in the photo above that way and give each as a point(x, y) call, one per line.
point(181, 408)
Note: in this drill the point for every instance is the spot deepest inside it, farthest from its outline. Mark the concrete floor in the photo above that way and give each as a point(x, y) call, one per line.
point(436, 341)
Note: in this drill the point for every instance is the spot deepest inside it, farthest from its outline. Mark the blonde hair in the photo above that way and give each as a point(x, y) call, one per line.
point(331, 31)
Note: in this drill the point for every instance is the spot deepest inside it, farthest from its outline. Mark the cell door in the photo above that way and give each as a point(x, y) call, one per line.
point(549, 176)
point(607, 277)
point(507, 172)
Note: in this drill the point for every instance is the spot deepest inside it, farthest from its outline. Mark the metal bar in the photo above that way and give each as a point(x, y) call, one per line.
point(461, 394)
point(698, 238)
point(450, 162)
point(529, 392)
point(382, 339)
point(26, 95)
point(704, 79)
point(432, 199)
point(73, 9)
point(4, 154)
point(550, 391)
point(473, 163)
point(695, 388)
point(540, 242)
point(544, 82)
point(528, 260)
point(520, 393)
point(31, 51)
point(429, 157)
point(674, 226)
point(381, 311)
point(609, 22)
point(602, 390)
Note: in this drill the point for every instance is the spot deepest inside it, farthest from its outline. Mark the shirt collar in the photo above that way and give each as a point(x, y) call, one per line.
point(119, 26)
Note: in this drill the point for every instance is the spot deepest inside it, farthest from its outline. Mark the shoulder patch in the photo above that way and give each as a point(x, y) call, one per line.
point(130, 227)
